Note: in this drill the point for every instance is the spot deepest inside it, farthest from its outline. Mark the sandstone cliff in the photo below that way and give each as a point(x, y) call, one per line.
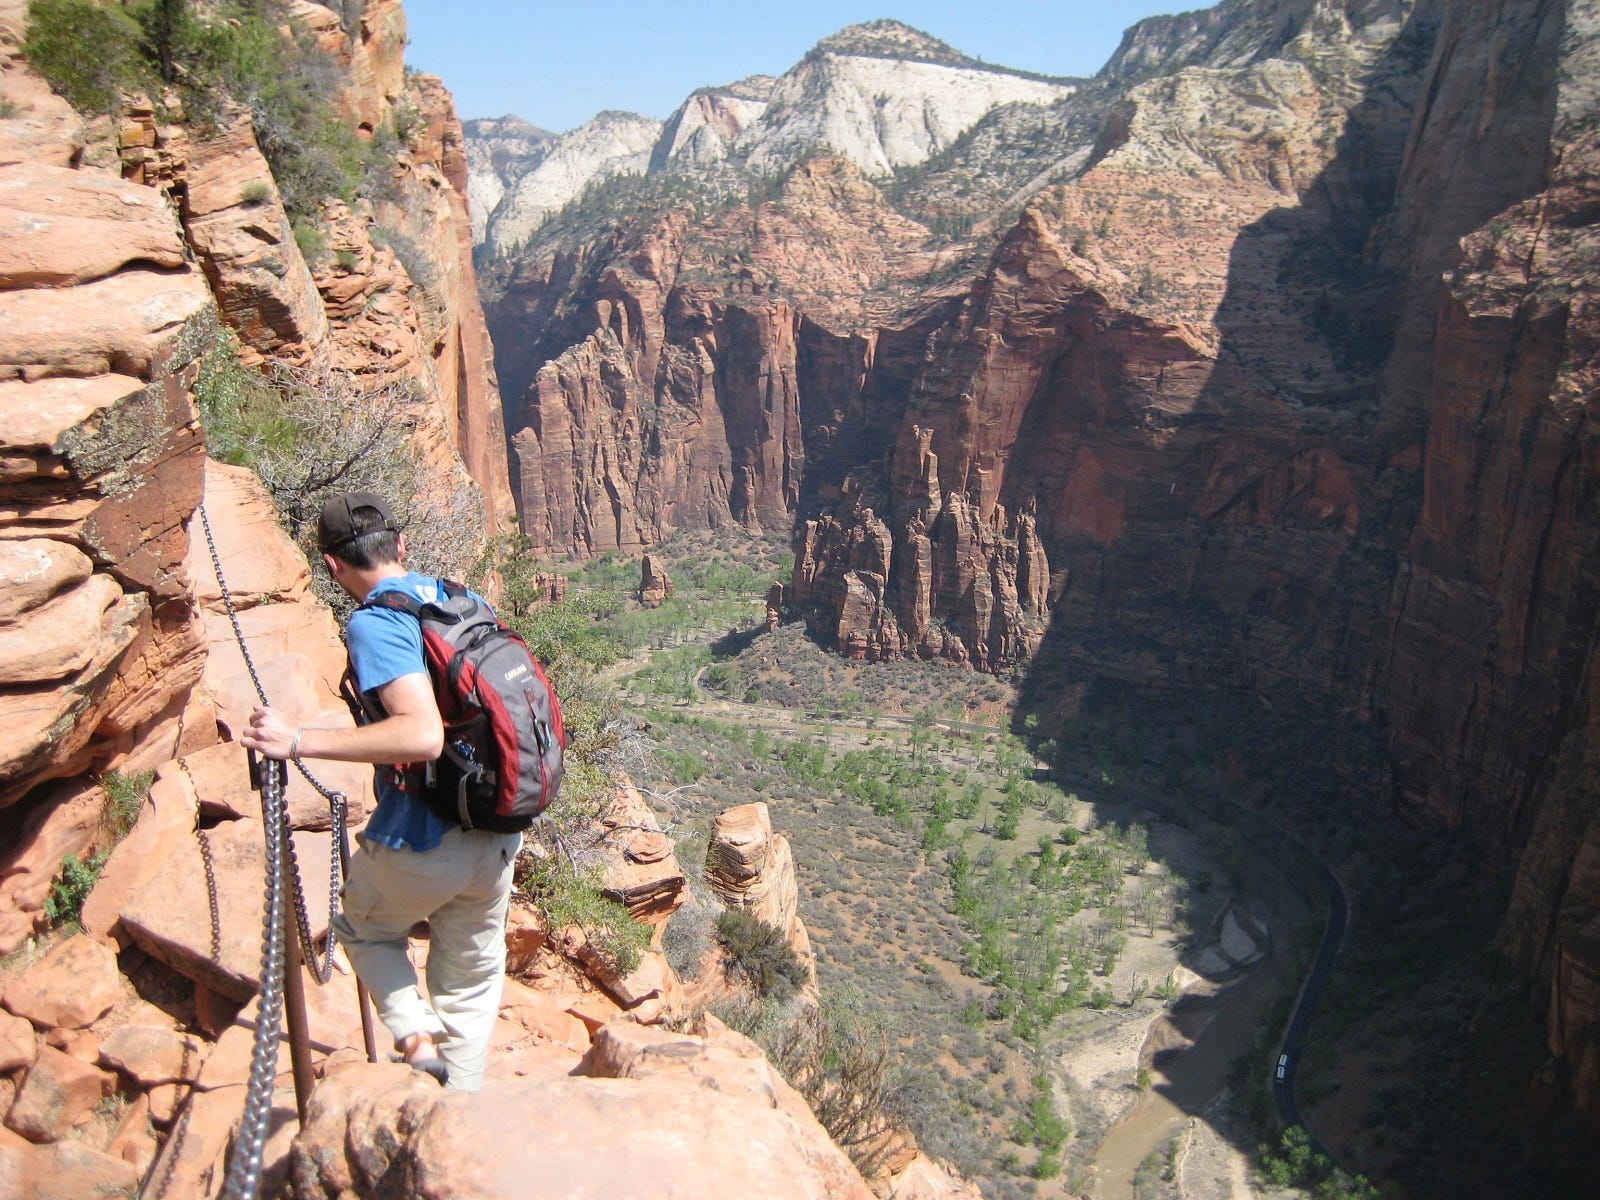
point(1262, 361)
point(124, 1048)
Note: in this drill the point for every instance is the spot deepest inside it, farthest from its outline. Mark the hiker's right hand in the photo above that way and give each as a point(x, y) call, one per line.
point(268, 733)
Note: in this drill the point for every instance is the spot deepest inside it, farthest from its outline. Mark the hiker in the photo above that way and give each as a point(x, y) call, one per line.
point(413, 864)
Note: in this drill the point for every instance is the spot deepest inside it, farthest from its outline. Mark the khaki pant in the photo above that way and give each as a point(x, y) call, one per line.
point(462, 889)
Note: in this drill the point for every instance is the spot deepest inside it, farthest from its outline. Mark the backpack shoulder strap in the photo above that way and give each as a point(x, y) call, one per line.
point(437, 610)
point(394, 598)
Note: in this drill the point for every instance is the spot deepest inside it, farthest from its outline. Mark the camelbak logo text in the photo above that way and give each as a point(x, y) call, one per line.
point(518, 672)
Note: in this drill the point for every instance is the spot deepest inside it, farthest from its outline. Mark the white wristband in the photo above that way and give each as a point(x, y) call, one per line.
point(294, 745)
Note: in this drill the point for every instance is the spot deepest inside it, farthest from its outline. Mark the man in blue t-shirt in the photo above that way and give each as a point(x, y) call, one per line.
point(414, 864)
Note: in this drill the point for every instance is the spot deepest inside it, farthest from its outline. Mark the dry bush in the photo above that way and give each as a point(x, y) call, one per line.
point(316, 432)
point(845, 1065)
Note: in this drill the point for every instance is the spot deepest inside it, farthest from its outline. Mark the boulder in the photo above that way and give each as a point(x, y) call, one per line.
point(170, 917)
point(373, 1131)
point(69, 988)
point(151, 1055)
point(64, 1171)
point(166, 823)
point(17, 1042)
point(58, 1093)
point(81, 1044)
point(134, 1141)
point(640, 867)
point(193, 1165)
point(542, 1016)
point(646, 992)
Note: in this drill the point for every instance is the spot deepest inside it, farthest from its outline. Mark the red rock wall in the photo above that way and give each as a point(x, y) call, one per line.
point(1315, 467)
point(116, 261)
point(677, 406)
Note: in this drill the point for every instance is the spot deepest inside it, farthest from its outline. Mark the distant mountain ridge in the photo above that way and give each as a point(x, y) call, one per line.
point(881, 95)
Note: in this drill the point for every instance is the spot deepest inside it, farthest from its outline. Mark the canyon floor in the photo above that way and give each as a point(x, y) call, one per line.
point(1163, 1076)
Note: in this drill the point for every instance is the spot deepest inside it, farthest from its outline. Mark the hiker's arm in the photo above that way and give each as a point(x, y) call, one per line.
point(412, 732)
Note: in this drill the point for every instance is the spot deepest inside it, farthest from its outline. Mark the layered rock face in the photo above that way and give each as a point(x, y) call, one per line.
point(111, 293)
point(1280, 380)
point(750, 867)
point(101, 459)
point(395, 295)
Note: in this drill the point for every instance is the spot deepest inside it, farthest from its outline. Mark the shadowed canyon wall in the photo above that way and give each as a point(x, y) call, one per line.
point(1282, 380)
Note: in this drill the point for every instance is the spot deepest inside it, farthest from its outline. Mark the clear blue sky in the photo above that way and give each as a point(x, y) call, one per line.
point(558, 62)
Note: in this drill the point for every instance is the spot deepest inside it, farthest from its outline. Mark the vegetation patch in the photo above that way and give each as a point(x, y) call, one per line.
point(759, 955)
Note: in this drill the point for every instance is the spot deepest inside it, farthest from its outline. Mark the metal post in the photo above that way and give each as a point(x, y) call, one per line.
point(294, 1006)
point(364, 1002)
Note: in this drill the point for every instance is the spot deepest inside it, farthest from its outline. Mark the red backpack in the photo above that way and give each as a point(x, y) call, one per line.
point(504, 740)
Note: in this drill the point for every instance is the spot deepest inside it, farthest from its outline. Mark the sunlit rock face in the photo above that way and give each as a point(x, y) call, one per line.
point(1265, 361)
point(613, 143)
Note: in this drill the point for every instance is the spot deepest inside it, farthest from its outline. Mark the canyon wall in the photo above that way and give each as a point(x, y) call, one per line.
point(1276, 375)
point(130, 245)
point(131, 249)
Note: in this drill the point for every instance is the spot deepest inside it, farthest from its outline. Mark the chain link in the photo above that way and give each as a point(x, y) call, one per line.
point(338, 803)
point(244, 1167)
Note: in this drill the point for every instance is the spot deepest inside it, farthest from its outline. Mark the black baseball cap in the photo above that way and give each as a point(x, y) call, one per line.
point(337, 524)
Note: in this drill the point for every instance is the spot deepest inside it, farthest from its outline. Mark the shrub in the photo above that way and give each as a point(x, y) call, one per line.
point(312, 241)
point(310, 432)
point(257, 191)
point(759, 954)
point(9, 108)
point(87, 52)
point(125, 796)
point(843, 1062)
point(688, 938)
point(568, 893)
point(64, 904)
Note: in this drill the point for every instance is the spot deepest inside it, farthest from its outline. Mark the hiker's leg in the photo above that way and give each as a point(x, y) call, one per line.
point(467, 957)
point(386, 893)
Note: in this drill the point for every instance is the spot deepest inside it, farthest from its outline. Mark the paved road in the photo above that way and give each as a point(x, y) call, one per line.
point(1332, 938)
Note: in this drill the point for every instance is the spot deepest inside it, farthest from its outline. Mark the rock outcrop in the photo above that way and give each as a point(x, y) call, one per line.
point(645, 1114)
point(655, 585)
point(102, 452)
point(393, 295)
point(750, 867)
point(640, 868)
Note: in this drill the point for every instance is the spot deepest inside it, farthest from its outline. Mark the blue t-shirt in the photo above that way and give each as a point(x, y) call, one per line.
point(384, 644)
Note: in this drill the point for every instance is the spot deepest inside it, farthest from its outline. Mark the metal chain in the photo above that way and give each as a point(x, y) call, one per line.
point(338, 803)
point(244, 1167)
